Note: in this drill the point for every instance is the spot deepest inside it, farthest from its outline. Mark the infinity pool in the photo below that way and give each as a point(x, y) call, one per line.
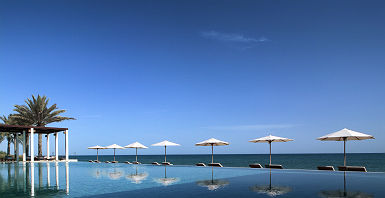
point(84, 179)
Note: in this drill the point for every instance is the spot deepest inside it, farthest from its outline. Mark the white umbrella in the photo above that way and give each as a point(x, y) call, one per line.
point(269, 139)
point(345, 135)
point(97, 147)
point(165, 144)
point(212, 142)
point(114, 146)
point(136, 145)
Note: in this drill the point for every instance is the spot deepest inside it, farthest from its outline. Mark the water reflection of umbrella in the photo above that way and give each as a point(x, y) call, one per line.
point(97, 147)
point(270, 190)
point(166, 180)
point(212, 142)
point(136, 145)
point(115, 175)
point(137, 178)
point(212, 184)
point(345, 135)
point(343, 193)
point(165, 144)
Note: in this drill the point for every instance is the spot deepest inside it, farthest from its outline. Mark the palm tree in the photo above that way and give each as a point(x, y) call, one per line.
point(36, 112)
point(9, 136)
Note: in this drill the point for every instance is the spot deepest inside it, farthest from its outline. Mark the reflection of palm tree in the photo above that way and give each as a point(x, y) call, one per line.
point(213, 184)
point(344, 193)
point(166, 180)
point(271, 190)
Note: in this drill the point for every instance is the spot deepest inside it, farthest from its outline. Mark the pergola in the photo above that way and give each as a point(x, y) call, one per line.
point(22, 130)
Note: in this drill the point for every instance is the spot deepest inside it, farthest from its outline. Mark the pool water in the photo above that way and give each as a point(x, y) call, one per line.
point(84, 179)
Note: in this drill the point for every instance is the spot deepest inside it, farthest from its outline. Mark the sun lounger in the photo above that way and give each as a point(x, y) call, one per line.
point(38, 158)
point(352, 168)
point(114, 162)
point(155, 163)
point(215, 164)
point(9, 158)
point(127, 162)
point(96, 161)
point(107, 162)
point(273, 166)
point(90, 161)
point(256, 165)
point(135, 162)
point(200, 164)
point(166, 163)
point(328, 168)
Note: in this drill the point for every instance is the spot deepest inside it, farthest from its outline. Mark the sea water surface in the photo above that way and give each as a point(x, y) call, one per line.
point(374, 162)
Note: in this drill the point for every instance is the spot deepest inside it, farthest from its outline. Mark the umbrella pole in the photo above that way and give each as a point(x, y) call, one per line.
point(97, 154)
point(270, 152)
point(165, 154)
point(212, 153)
point(344, 151)
point(136, 158)
point(114, 154)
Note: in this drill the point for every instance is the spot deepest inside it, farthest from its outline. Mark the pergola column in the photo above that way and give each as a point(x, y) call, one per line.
point(17, 148)
point(24, 148)
point(32, 146)
point(47, 146)
point(56, 147)
point(66, 144)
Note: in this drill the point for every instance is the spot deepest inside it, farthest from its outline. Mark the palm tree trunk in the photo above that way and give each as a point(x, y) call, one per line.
point(14, 146)
point(39, 149)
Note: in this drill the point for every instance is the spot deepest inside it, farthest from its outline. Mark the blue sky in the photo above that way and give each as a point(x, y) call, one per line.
point(187, 71)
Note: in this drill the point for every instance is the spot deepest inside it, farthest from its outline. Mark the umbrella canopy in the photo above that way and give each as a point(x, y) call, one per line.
point(345, 135)
point(212, 142)
point(114, 146)
point(269, 139)
point(165, 144)
point(137, 146)
point(97, 147)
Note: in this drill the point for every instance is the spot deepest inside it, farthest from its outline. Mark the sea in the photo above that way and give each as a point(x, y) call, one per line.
point(374, 162)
